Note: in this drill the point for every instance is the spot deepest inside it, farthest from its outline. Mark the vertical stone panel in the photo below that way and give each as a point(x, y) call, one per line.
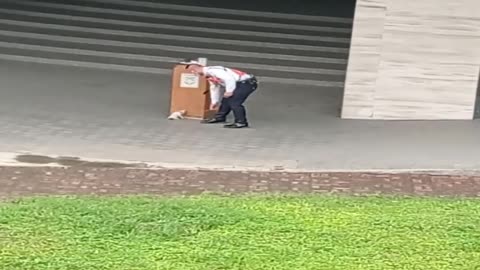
point(364, 59)
point(428, 64)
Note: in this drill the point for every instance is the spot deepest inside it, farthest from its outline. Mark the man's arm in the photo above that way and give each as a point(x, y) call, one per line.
point(215, 94)
point(228, 80)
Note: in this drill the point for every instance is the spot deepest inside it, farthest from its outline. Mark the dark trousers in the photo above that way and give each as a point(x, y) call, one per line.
point(235, 102)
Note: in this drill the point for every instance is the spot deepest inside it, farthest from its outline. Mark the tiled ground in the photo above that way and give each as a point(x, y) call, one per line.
point(101, 114)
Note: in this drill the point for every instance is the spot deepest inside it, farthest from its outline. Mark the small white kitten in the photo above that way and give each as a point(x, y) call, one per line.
point(177, 115)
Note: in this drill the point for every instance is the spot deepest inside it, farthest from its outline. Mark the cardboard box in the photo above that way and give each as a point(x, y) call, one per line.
point(190, 92)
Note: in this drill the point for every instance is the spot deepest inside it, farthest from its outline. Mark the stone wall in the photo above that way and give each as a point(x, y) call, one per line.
point(413, 59)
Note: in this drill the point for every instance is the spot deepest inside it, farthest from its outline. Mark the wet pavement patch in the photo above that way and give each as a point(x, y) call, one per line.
point(72, 162)
point(35, 159)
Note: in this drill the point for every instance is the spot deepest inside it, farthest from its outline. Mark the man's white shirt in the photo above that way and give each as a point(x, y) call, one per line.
point(226, 81)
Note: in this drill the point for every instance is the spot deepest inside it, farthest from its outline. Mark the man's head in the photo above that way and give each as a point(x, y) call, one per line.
point(193, 66)
point(196, 69)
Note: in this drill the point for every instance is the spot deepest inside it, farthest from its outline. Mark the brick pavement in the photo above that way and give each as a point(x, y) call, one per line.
point(92, 180)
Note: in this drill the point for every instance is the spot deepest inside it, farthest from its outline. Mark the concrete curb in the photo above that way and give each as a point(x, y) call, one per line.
point(9, 159)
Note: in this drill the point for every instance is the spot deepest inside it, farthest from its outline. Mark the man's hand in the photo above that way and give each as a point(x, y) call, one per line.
point(228, 94)
point(214, 106)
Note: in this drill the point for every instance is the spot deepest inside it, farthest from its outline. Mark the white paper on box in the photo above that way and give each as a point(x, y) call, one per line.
point(188, 80)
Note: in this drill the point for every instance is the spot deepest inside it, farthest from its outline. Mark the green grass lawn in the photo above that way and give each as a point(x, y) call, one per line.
point(248, 232)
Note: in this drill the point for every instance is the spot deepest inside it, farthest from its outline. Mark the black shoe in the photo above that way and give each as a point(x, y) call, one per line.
point(236, 125)
point(213, 121)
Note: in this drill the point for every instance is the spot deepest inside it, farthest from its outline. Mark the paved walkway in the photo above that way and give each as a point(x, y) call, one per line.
point(99, 114)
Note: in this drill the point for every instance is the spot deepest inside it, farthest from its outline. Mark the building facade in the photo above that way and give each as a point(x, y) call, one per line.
point(385, 59)
point(413, 60)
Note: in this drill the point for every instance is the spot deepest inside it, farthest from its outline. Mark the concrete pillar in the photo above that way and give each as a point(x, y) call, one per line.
point(413, 59)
